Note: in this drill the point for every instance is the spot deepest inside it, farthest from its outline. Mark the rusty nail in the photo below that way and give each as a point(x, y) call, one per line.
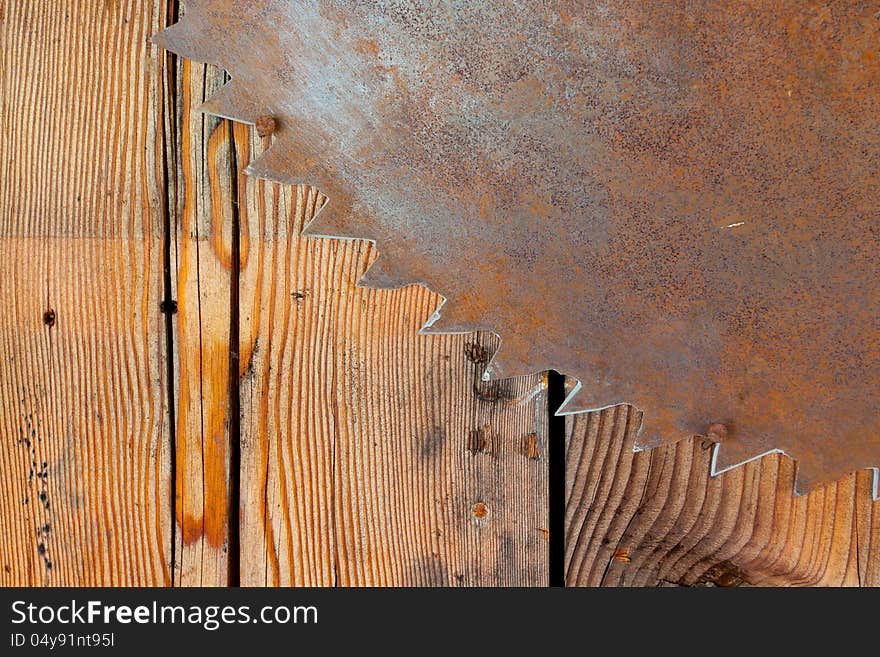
point(265, 126)
point(716, 433)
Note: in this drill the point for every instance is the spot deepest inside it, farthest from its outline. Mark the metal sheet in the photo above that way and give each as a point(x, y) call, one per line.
point(675, 203)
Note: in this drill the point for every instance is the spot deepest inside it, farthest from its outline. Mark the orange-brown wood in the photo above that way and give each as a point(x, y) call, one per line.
point(372, 455)
point(365, 448)
point(369, 454)
point(203, 267)
point(657, 518)
point(85, 466)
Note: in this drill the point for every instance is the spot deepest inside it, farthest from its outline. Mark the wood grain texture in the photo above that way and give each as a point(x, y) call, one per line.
point(369, 455)
point(84, 451)
point(365, 448)
point(657, 518)
point(203, 265)
point(372, 455)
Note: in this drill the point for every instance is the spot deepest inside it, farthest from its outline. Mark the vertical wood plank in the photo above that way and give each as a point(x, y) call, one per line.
point(372, 455)
point(657, 517)
point(84, 451)
point(203, 265)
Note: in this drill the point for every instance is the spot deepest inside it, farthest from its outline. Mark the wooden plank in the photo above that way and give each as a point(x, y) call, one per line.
point(84, 450)
point(353, 472)
point(372, 455)
point(656, 517)
point(203, 266)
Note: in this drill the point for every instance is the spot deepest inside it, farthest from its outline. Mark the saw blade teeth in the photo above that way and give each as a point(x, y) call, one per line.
point(649, 436)
point(339, 222)
point(729, 455)
point(233, 102)
point(278, 165)
point(334, 220)
point(505, 365)
point(806, 479)
point(577, 400)
point(385, 274)
point(321, 84)
point(573, 401)
point(450, 319)
point(810, 476)
point(186, 39)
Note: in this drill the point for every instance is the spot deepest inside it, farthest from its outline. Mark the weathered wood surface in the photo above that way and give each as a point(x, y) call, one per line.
point(657, 518)
point(372, 455)
point(202, 271)
point(84, 461)
point(368, 454)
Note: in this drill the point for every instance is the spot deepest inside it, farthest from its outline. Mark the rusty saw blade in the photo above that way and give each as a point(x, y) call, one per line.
point(674, 203)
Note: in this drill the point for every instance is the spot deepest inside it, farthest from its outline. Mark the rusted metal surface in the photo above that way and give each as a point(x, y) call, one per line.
point(675, 203)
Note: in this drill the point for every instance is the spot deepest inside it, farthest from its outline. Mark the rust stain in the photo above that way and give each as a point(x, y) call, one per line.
point(219, 150)
point(621, 556)
point(483, 440)
point(530, 447)
point(674, 204)
point(187, 505)
point(201, 507)
point(215, 457)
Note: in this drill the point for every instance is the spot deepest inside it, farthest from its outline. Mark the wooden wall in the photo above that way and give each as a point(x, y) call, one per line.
point(85, 459)
point(656, 518)
point(345, 449)
point(369, 455)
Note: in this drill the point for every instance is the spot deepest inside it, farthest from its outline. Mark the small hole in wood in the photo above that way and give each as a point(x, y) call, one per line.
point(49, 317)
